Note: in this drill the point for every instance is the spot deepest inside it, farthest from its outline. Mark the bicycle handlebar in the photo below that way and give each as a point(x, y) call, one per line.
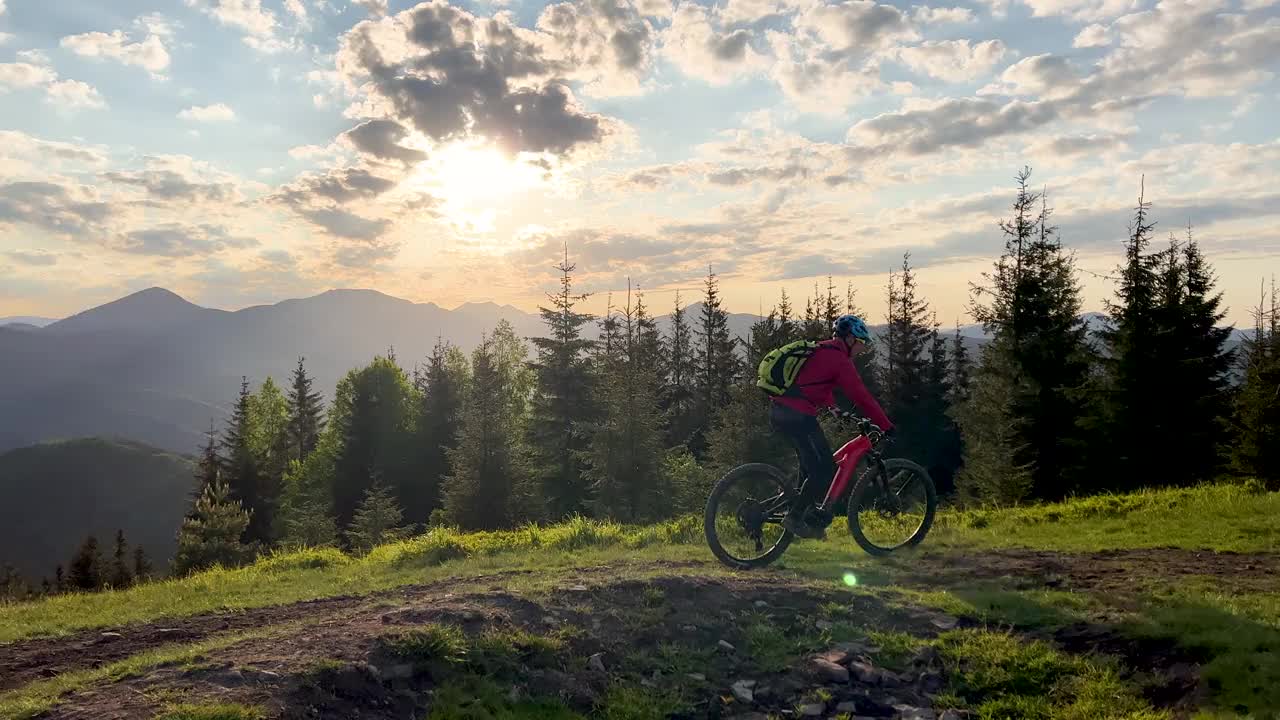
point(865, 426)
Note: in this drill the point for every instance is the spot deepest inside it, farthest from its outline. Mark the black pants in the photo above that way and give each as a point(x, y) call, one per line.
point(805, 434)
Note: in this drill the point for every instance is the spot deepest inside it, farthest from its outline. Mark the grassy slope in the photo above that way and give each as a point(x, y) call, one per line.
point(1239, 633)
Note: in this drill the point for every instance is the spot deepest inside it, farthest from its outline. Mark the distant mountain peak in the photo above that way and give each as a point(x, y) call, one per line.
point(152, 309)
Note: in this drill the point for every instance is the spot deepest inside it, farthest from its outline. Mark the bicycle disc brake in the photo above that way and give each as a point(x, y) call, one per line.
point(751, 520)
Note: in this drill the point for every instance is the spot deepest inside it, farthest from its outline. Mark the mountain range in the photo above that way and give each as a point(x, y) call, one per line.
point(155, 368)
point(158, 369)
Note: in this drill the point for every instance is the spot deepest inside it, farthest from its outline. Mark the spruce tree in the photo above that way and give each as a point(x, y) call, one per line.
point(1205, 363)
point(212, 534)
point(905, 347)
point(1256, 452)
point(1030, 303)
point(439, 395)
point(306, 509)
point(742, 432)
point(1142, 357)
point(141, 565)
point(867, 361)
point(716, 362)
point(209, 467)
point(86, 566)
point(306, 414)
point(242, 470)
point(372, 420)
point(562, 402)
point(378, 520)
point(961, 369)
point(678, 398)
point(995, 470)
point(623, 460)
point(479, 488)
point(59, 580)
point(272, 449)
point(120, 576)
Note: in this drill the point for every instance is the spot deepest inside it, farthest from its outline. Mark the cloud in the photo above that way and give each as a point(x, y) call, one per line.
point(258, 25)
point(68, 211)
point(1071, 145)
point(381, 139)
point(170, 185)
point(343, 224)
point(149, 53)
point(606, 44)
point(695, 45)
point(1082, 10)
point(5, 38)
point(74, 95)
point(856, 26)
point(21, 75)
point(35, 258)
point(319, 197)
point(954, 61)
point(939, 15)
point(374, 7)
point(179, 240)
point(338, 186)
point(216, 113)
point(1092, 36)
point(955, 122)
point(451, 75)
point(16, 144)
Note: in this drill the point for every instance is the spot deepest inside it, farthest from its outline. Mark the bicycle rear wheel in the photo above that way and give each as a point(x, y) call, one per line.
point(743, 519)
point(883, 522)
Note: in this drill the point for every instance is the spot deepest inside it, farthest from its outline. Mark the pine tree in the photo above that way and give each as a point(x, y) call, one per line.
point(439, 394)
point(120, 576)
point(715, 361)
point(478, 492)
point(1030, 304)
point(562, 402)
point(209, 468)
point(1205, 363)
point(271, 447)
point(961, 369)
point(372, 420)
point(213, 532)
point(623, 460)
point(59, 580)
point(678, 399)
point(306, 508)
point(1143, 396)
point(86, 566)
point(141, 565)
point(944, 446)
point(378, 520)
point(994, 471)
point(1256, 452)
point(867, 361)
point(306, 414)
point(905, 346)
point(242, 471)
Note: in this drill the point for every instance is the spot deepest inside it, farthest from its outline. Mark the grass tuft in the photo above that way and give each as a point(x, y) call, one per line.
point(220, 711)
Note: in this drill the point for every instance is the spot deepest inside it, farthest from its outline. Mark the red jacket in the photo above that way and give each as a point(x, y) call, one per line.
point(826, 370)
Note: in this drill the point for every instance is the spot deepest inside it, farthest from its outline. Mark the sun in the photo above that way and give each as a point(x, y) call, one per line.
point(473, 177)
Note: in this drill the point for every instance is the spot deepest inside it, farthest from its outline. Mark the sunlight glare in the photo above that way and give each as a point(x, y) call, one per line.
point(850, 579)
point(477, 177)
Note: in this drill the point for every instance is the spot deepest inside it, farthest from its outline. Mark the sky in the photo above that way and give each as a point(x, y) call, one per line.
point(241, 152)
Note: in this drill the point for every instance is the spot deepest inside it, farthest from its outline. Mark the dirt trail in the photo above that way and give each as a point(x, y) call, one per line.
point(1108, 571)
point(25, 661)
point(274, 672)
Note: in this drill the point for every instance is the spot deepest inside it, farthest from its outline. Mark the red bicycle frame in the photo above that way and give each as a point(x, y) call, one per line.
point(846, 458)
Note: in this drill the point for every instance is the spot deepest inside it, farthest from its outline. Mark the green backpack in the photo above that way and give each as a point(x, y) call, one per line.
point(778, 370)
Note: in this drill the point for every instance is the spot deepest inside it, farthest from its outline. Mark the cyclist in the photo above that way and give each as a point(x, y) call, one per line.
point(795, 417)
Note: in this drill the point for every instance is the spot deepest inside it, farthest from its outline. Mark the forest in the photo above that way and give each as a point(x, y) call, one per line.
point(635, 424)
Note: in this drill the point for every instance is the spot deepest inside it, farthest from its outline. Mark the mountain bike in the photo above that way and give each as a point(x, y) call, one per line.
point(890, 507)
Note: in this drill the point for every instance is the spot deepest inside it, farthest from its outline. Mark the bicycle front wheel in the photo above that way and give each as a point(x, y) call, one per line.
point(894, 511)
point(743, 520)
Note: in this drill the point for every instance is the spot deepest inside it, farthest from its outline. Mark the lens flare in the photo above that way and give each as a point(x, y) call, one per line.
point(850, 579)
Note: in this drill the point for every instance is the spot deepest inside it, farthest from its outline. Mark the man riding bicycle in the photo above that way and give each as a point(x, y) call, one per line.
point(795, 417)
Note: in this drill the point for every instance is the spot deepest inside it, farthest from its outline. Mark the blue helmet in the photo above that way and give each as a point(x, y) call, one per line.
point(851, 326)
